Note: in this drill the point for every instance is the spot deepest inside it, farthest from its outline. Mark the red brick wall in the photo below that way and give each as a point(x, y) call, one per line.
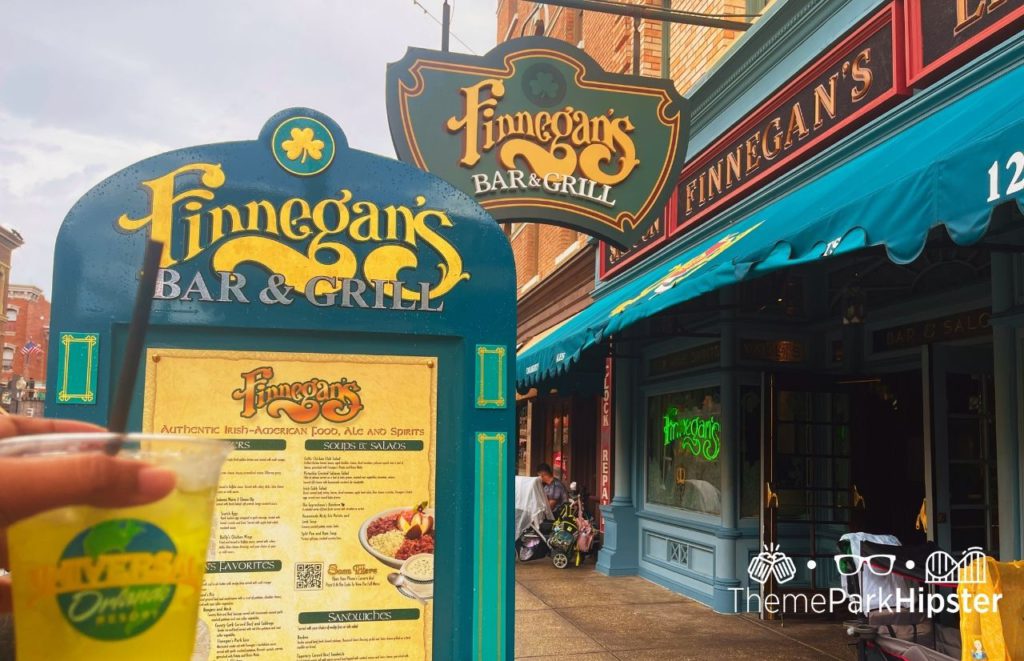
point(9, 241)
point(524, 249)
point(694, 49)
point(5, 278)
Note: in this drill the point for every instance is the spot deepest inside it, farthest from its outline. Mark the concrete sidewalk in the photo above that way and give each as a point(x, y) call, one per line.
point(579, 615)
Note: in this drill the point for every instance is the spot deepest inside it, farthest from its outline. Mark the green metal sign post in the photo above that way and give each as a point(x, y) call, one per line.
point(348, 321)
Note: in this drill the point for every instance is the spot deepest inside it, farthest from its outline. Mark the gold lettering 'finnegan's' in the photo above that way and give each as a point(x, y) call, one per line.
point(336, 401)
point(565, 142)
point(260, 232)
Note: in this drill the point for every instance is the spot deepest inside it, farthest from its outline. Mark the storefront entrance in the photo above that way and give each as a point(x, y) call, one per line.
point(562, 432)
point(862, 454)
point(965, 511)
point(809, 484)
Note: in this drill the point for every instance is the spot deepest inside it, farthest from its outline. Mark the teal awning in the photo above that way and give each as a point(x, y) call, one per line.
point(936, 172)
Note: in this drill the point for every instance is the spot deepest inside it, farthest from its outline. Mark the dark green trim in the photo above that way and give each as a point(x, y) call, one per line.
point(763, 58)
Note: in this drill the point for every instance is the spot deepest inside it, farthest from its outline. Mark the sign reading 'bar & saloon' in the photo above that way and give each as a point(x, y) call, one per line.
point(944, 34)
point(536, 130)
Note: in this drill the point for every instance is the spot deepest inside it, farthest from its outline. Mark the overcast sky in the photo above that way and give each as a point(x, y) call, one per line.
point(90, 87)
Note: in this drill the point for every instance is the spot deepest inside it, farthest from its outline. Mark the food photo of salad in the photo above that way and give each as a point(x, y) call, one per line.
point(395, 535)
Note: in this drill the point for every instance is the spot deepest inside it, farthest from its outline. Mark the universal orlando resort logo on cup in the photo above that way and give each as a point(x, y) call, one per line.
point(948, 586)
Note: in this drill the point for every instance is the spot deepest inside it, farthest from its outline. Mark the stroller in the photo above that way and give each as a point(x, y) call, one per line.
point(887, 635)
point(884, 634)
point(569, 535)
point(572, 533)
point(532, 515)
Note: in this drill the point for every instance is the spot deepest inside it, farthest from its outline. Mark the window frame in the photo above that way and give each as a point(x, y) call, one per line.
point(757, 6)
point(679, 384)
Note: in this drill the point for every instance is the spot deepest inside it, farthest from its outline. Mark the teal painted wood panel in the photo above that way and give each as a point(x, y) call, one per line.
point(491, 376)
point(491, 577)
point(77, 362)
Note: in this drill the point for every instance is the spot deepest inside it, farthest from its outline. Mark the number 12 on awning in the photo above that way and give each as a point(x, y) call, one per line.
point(1016, 163)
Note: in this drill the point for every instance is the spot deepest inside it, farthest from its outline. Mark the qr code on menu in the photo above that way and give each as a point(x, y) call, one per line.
point(309, 575)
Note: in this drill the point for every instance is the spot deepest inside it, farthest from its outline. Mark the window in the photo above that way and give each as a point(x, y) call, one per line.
point(524, 422)
point(757, 6)
point(576, 37)
point(12, 314)
point(683, 447)
point(8, 359)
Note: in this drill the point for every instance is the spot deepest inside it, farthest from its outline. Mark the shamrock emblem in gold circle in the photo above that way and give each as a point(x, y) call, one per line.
point(302, 145)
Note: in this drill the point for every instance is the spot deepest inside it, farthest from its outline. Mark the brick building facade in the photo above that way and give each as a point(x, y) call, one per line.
point(545, 253)
point(27, 321)
point(555, 267)
point(753, 387)
point(10, 240)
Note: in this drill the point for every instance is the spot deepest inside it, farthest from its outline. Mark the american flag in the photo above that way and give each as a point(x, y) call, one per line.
point(31, 349)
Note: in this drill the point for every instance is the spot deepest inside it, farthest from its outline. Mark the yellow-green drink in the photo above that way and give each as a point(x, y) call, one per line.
point(94, 583)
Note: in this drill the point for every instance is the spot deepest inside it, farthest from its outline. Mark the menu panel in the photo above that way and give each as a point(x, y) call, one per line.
point(323, 542)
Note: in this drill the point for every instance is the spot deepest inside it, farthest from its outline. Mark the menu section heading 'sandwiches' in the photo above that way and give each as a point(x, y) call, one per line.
point(941, 35)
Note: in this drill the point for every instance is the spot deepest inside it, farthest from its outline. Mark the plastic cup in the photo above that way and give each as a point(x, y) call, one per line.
point(119, 583)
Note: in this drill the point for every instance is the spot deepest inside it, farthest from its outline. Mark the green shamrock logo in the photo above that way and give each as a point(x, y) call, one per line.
point(303, 146)
point(544, 85)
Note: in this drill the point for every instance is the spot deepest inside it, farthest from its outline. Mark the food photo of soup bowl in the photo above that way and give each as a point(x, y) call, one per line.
point(419, 568)
point(418, 572)
point(396, 535)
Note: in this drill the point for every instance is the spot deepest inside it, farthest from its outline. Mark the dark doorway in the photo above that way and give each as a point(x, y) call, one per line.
point(887, 431)
point(840, 455)
point(964, 451)
point(564, 435)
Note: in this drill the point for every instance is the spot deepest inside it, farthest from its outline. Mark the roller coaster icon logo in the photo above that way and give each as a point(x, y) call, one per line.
point(941, 568)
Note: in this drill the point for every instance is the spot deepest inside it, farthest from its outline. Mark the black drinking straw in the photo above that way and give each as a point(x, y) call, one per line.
point(118, 421)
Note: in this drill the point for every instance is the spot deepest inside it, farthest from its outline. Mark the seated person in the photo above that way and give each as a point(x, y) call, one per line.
point(554, 490)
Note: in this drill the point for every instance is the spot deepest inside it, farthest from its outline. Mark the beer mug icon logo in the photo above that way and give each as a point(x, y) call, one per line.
point(771, 563)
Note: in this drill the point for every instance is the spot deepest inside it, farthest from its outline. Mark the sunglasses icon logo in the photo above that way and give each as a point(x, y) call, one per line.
point(879, 565)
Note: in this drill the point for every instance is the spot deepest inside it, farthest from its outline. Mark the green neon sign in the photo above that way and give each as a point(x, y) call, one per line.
point(699, 436)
